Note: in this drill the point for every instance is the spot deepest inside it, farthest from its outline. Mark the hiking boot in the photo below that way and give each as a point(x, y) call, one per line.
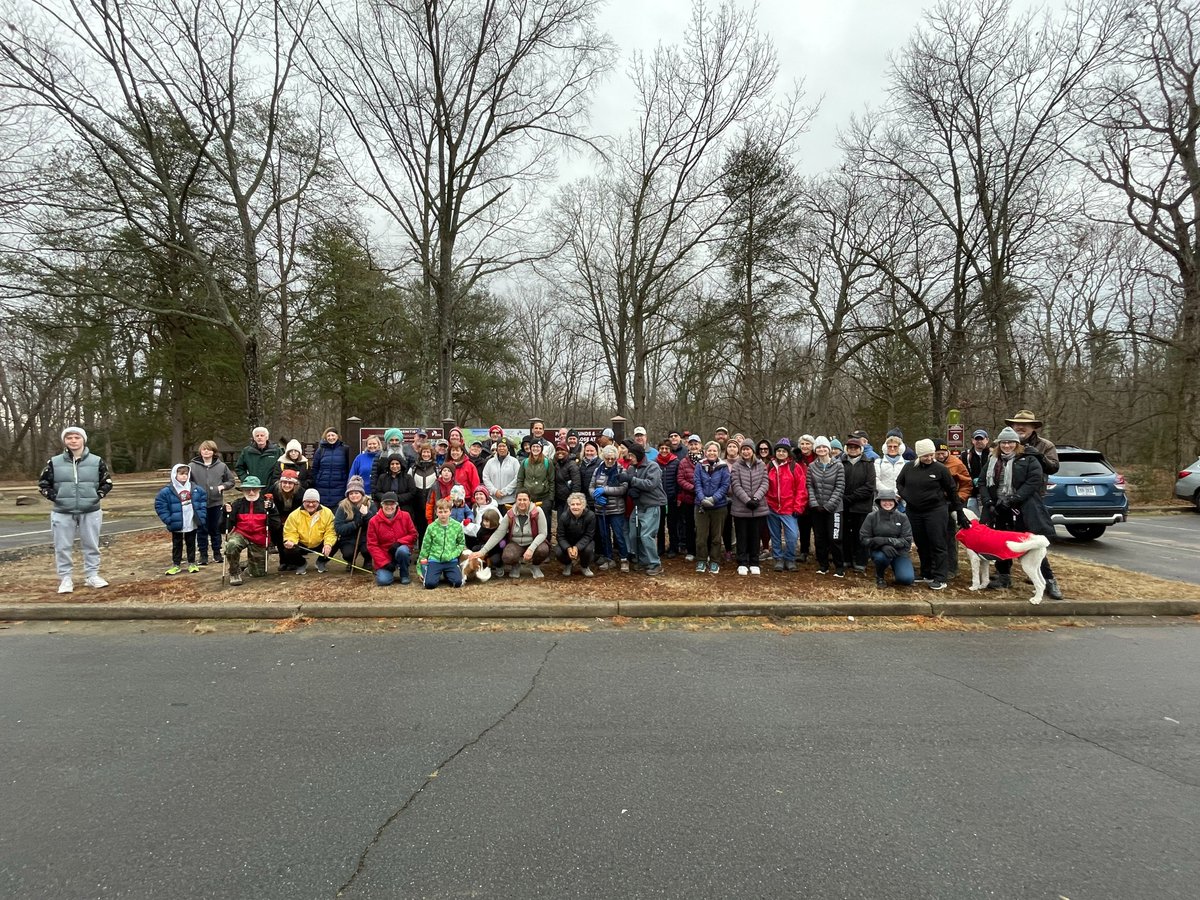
point(95, 581)
point(999, 582)
point(66, 586)
point(624, 565)
point(536, 571)
point(235, 576)
point(780, 565)
point(587, 572)
point(652, 571)
point(567, 570)
point(789, 565)
point(755, 570)
point(1053, 591)
point(742, 570)
point(174, 570)
point(702, 567)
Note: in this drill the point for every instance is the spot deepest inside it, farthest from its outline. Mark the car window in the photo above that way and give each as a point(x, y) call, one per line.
point(1083, 468)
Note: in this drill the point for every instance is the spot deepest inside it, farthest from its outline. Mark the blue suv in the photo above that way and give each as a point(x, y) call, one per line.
point(1086, 495)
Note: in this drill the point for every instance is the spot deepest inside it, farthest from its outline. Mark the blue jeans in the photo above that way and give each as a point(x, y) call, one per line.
point(400, 559)
point(643, 534)
point(784, 532)
point(434, 571)
point(612, 537)
point(901, 566)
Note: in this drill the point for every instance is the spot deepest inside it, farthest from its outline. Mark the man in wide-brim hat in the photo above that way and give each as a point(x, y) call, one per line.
point(1025, 424)
point(1024, 417)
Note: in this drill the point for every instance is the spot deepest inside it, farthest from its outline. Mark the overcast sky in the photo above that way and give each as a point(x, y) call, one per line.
point(838, 47)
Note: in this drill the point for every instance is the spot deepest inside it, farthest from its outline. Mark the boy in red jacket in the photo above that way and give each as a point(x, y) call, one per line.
point(391, 541)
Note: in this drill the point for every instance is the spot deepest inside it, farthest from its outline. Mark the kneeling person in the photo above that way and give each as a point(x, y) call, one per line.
point(310, 528)
point(576, 536)
point(247, 531)
point(391, 540)
point(888, 537)
point(442, 548)
point(525, 528)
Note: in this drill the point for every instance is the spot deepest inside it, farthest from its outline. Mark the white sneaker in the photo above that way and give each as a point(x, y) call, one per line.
point(755, 570)
point(66, 586)
point(690, 557)
point(95, 581)
point(742, 570)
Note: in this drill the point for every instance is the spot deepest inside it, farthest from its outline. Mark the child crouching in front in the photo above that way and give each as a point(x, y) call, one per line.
point(176, 505)
point(442, 547)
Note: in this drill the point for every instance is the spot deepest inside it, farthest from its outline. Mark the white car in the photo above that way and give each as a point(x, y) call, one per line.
point(1188, 485)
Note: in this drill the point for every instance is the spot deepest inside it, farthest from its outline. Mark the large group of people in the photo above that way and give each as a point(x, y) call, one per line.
point(603, 505)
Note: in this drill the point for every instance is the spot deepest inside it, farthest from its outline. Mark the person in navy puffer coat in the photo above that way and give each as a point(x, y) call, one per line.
point(331, 469)
point(181, 506)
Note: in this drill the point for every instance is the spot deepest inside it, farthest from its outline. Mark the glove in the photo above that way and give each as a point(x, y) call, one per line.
point(751, 503)
point(601, 501)
point(889, 551)
point(708, 502)
point(598, 494)
point(963, 521)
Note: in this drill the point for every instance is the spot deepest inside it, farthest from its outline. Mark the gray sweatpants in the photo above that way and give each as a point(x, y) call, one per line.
point(64, 527)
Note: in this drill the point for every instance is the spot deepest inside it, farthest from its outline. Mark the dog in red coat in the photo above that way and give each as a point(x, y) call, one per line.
point(984, 544)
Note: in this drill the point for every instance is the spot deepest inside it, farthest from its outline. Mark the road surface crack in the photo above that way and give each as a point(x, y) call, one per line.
point(1067, 731)
point(362, 859)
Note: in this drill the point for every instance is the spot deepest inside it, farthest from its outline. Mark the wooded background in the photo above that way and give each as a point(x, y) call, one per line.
point(220, 213)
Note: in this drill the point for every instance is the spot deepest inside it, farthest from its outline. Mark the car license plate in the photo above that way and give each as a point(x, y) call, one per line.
point(1085, 490)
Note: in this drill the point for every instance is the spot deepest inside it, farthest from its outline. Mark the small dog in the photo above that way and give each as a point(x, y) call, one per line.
point(984, 544)
point(475, 568)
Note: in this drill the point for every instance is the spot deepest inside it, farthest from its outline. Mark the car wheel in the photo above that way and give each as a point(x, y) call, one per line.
point(1086, 532)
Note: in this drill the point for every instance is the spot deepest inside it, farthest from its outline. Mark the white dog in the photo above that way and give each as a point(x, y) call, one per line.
point(984, 544)
point(477, 568)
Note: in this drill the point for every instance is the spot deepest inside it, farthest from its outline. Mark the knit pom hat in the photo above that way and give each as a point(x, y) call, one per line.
point(355, 484)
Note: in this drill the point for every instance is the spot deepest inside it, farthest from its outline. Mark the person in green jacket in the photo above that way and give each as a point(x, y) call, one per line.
point(258, 457)
point(536, 477)
point(441, 549)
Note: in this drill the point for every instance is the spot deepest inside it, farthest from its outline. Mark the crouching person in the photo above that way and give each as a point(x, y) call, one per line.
point(248, 532)
point(525, 528)
point(442, 548)
point(576, 536)
point(391, 541)
point(310, 528)
point(350, 521)
point(887, 535)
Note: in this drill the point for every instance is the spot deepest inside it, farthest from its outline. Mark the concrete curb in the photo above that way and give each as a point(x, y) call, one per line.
point(592, 609)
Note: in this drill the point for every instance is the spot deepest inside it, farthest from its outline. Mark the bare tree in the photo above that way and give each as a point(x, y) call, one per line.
point(1144, 111)
point(976, 122)
point(136, 85)
point(460, 108)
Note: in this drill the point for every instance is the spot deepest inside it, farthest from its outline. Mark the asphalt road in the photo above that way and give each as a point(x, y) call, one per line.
point(1003, 764)
point(1165, 546)
point(16, 535)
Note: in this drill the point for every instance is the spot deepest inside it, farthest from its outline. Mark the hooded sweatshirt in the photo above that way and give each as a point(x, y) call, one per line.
point(176, 504)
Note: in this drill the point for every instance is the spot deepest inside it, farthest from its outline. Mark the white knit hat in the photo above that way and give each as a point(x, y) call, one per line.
point(74, 429)
point(312, 494)
point(923, 447)
point(821, 441)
